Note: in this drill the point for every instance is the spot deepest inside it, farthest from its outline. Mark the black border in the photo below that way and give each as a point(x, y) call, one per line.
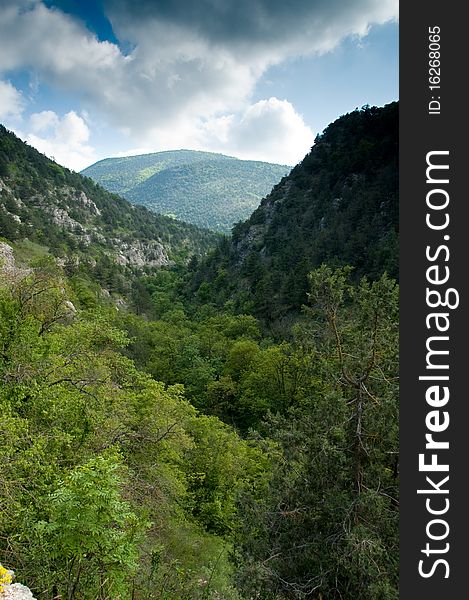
point(421, 132)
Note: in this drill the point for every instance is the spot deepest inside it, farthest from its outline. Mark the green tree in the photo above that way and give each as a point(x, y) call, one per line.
point(91, 534)
point(329, 526)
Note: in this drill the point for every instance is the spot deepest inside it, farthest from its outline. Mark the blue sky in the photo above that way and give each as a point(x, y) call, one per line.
point(83, 80)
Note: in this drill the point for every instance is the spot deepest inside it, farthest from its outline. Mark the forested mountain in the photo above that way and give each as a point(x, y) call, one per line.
point(175, 446)
point(45, 209)
point(339, 205)
point(207, 189)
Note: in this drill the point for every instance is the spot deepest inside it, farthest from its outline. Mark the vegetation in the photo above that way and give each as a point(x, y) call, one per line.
point(207, 189)
point(328, 528)
point(49, 209)
point(339, 205)
point(179, 448)
point(5, 577)
point(107, 484)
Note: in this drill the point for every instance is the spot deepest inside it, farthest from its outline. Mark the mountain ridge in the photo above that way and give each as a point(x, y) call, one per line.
point(208, 189)
point(45, 209)
point(339, 205)
point(159, 440)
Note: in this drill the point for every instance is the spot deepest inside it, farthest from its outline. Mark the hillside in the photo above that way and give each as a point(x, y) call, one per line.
point(177, 448)
point(207, 189)
point(46, 209)
point(339, 206)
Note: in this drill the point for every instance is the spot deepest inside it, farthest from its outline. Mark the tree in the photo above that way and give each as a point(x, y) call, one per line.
point(92, 533)
point(92, 450)
point(329, 525)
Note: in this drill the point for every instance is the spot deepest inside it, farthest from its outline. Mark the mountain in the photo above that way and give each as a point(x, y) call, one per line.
point(339, 206)
point(46, 209)
point(207, 189)
point(178, 448)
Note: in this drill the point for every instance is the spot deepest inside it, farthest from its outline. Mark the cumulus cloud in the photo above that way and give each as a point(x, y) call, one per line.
point(197, 58)
point(47, 39)
point(44, 121)
point(11, 101)
point(254, 27)
point(62, 138)
point(271, 130)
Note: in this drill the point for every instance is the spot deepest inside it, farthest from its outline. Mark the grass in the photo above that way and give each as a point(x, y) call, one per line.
point(26, 251)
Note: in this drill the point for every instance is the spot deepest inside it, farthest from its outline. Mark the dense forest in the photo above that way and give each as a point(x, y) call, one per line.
point(198, 433)
point(207, 189)
point(339, 206)
point(47, 210)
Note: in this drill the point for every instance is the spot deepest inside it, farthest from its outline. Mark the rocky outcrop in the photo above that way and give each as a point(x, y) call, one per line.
point(140, 253)
point(16, 591)
point(88, 203)
point(12, 591)
point(8, 268)
point(253, 238)
point(7, 260)
point(60, 204)
point(61, 218)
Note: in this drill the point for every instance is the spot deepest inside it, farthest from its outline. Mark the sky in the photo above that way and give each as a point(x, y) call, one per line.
point(257, 79)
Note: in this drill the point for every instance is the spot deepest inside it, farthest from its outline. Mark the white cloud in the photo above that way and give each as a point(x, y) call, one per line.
point(270, 130)
point(11, 101)
point(62, 138)
point(43, 121)
point(191, 61)
point(52, 42)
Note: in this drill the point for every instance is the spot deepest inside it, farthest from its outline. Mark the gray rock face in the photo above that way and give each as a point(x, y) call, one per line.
point(254, 238)
point(16, 591)
point(140, 254)
point(88, 203)
point(59, 204)
point(61, 218)
point(8, 268)
point(7, 260)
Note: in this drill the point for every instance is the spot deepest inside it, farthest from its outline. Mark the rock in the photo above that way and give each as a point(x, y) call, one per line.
point(70, 307)
point(120, 304)
point(88, 203)
point(16, 591)
point(61, 218)
point(7, 260)
point(254, 238)
point(140, 253)
point(8, 268)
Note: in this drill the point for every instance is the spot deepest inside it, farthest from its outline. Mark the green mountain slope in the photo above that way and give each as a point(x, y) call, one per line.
point(47, 209)
point(170, 449)
point(339, 206)
point(207, 189)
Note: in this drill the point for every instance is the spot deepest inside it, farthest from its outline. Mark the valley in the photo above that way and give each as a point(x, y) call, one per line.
point(191, 415)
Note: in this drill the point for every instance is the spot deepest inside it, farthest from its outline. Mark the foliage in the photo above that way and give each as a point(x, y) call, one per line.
point(91, 533)
point(92, 231)
point(328, 527)
point(207, 189)
point(97, 492)
point(339, 205)
point(175, 447)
